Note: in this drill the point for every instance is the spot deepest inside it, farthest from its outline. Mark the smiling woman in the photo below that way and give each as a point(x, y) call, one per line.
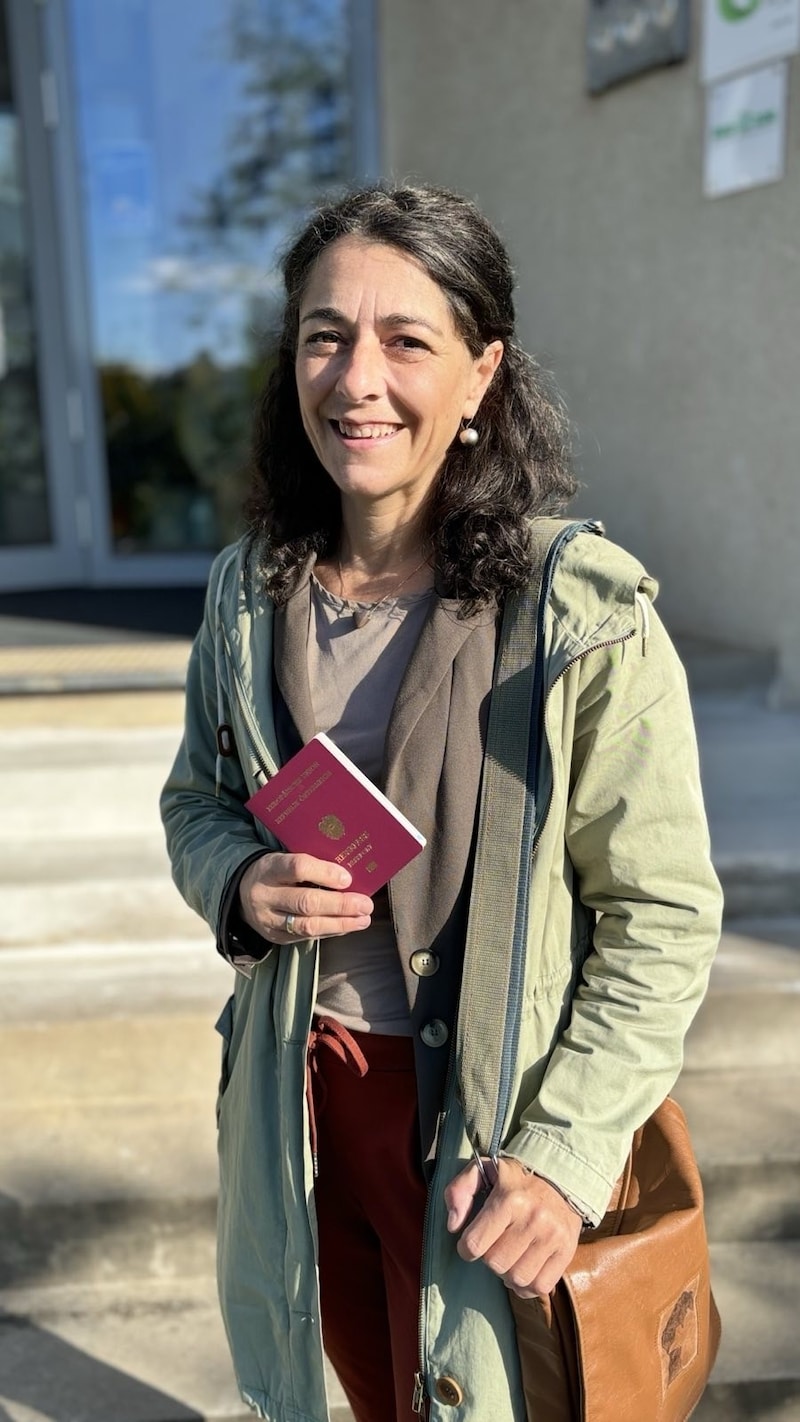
point(400, 314)
point(406, 448)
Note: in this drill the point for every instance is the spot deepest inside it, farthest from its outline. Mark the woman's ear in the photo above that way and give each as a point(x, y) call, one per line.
point(483, 371)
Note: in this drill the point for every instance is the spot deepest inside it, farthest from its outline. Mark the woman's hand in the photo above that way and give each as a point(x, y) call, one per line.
point(525, 1231)
point(311, 890)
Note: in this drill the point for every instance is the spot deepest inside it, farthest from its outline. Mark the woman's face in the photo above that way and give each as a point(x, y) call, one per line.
point(383, 377)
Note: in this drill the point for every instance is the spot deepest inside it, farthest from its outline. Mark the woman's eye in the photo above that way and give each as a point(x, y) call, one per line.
point(324, 338)
point(410, 343)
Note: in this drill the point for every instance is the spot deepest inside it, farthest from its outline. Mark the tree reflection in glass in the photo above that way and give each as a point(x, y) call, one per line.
point(24, 511)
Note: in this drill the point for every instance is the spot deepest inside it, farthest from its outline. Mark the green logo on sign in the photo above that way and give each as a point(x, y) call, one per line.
point(737, 9)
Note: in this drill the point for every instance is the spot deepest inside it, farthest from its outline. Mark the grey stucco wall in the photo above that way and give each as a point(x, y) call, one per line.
point(672, 323)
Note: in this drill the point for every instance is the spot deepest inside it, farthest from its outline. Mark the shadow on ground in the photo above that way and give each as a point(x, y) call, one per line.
point(165, 612)
point(68, 1383)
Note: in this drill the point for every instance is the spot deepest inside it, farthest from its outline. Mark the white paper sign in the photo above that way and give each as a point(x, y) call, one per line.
point(746, 131)
point(741, 34)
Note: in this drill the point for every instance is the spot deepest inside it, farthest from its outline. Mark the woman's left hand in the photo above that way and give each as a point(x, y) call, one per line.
point(525, 1231)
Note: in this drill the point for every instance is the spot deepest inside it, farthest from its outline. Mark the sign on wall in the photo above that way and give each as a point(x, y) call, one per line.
point(741, 34)
point(746, 131)
point(628, 37)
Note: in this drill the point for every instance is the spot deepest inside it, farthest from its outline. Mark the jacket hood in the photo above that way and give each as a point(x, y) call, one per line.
point(599, 595)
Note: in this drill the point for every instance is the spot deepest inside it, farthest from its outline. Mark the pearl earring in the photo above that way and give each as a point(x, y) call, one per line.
point(468, 436)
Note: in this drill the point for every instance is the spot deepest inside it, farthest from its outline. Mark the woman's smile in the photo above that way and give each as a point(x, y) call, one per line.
point(373, 433)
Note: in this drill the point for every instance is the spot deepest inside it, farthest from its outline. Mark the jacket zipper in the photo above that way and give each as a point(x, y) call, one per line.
point(418, 1395)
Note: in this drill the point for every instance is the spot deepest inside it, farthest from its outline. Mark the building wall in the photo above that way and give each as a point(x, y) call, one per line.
point(672, 322)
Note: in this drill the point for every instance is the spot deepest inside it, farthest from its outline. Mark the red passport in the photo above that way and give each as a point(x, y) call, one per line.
point(320, 803)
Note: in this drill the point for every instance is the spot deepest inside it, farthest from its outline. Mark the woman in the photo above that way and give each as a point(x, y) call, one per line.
point(405, 443)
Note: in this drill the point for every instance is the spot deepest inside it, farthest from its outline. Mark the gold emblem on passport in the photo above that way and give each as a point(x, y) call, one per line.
point(331, 826)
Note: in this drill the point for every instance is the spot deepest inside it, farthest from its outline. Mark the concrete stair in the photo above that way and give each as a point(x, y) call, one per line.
point(740, 1089)
point(109, 989)
point(80, 816)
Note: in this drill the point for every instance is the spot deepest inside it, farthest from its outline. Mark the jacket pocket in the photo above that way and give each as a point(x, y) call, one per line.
point(224, 1025)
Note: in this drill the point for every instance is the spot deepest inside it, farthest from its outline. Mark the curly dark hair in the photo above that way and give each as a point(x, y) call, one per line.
point(477, 511)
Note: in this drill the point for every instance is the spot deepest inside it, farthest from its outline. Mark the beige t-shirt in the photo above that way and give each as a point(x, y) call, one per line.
point(355, 675)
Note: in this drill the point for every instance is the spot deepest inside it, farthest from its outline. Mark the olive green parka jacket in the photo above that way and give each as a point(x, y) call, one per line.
point(623, 921)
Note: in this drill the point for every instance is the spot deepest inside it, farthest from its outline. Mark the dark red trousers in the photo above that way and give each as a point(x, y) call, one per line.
point(370, 1199)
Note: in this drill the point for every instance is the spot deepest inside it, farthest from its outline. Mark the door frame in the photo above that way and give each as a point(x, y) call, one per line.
point(63, 561)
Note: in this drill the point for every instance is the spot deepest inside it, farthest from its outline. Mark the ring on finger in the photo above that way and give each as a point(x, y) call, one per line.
point(288, 923)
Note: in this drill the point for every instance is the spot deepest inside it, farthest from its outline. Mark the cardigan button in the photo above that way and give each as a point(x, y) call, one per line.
point(434, 1033)
point(424, 963)
point(449, 1392)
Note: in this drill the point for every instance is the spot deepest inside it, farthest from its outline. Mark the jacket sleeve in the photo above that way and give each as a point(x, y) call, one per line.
point(211, 837)
point(637, 837)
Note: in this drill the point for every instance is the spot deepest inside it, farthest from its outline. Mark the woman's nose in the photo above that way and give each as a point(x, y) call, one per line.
point(362, 370)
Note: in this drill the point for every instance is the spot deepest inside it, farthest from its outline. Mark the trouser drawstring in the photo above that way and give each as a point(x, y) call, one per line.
point(327, 1032)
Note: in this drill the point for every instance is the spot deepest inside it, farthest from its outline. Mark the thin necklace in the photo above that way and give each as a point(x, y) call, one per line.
point(362, 615)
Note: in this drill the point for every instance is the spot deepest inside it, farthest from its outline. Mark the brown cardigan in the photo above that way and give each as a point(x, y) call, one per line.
point(432, 770)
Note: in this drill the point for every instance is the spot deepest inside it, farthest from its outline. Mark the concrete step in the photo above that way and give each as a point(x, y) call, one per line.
point(750, 767)
point(740, 1086)
point(83, 785)
point(110, 1066)
point(752, 1010)
point(83, 854)
point(121, 1352)
point(109, 1109)
point(127, 664)
point(769, 1400)
point(714, 667)
point(100, 872)
point(81, 738)
point(745, 1128)
point(759, 880)
point(145, 907)
point(86, 712)
point(85, 982)
point(757, 1374)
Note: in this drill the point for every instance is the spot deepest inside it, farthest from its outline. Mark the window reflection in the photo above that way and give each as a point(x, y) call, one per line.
point(24, 512)
point(205, 128)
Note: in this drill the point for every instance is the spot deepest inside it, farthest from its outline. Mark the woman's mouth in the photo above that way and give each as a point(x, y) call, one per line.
point(372, 431)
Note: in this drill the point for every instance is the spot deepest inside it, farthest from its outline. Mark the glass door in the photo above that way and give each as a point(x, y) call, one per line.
point(202, 131)
point(39, 511)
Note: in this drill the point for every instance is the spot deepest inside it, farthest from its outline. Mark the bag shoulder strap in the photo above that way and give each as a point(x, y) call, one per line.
point(494, 956)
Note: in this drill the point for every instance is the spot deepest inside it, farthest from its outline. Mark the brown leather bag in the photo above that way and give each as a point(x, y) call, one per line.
point(631, 1332)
